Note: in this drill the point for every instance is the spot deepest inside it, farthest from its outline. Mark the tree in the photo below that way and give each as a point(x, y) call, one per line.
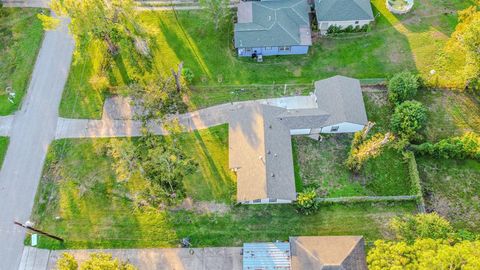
point(401, 87)
point(408, 118)
point(158, 98)
point(458, 63)
point(218, 10)
point(410, 227)
point(424, 254)
point(67, 262)
point(307, 201)
point(106, 20)
point(96, 261)
point(363, 149)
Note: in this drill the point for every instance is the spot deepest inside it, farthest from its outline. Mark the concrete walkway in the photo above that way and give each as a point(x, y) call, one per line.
point(32, 130)
point(145, 259)
point(201, 119)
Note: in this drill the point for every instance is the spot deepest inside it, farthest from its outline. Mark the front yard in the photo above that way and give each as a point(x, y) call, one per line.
point(21, 34)
point(81, 199)
point(393, 44)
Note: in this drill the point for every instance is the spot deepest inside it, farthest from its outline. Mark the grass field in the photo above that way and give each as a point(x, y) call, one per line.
point(394, 44)
point(450, 114)
point(3, 149)
point(21, 34)
point(81, 200)
point(451, 188)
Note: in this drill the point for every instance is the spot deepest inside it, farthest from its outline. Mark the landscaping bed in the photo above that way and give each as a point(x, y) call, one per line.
point(21, 34)
point(80, 198)
point(393, 45)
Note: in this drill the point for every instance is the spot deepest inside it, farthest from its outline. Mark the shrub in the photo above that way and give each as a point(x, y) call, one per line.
point(410, 227)
point(188, 75)
point(307, 202)
point(466, 146)
point(401, 87)
point(67, 262)
point(408, 118)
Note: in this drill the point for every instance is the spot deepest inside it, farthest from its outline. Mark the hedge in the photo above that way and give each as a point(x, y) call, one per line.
point(463, 147)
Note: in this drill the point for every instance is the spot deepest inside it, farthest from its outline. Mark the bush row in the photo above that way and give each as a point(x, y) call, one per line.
point(463, 147)
point(414, 177)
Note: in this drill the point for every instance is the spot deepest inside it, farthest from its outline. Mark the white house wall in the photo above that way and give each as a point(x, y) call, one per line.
point(304, 131)
point(344, 127)
point(345, 24)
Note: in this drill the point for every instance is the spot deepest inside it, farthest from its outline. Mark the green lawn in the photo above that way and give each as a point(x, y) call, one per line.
point(81, 199)
point(395, 43)
point(21, 34)
point(451, 188)
point(450, 113)
point(321, 164)
point(3, 149)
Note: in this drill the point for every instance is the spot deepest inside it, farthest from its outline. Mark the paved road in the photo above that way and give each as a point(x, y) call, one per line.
point(31, 132)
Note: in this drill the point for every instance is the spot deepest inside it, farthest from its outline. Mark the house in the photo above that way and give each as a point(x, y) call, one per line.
point(272, 27)
point(260, 150)
point(342, 13)
point(307, 252)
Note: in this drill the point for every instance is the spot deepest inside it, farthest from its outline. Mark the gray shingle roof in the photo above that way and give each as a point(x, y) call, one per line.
point(342, 98)
point(343, 10)
point(259, 139)
point(272, 23)
point(328, 252)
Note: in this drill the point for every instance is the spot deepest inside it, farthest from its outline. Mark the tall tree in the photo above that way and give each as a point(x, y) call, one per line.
point(218, 10)
point(106, 20)
point(458, 63)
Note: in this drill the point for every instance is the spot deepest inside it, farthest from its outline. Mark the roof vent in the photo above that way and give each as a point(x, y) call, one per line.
point(269, 18)
point(270, 126)
point(268, 152)
point(273, 175)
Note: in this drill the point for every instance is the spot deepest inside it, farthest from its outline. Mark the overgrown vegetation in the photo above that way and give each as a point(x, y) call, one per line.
point(402, 86)
point(307, 201)
point(464, 147)
point(425, 241)
point(20, 37)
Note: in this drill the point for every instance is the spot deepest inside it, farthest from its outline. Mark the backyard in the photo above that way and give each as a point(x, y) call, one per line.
point(20, 38)
point(394, 44)
point(321, 163)
point(81, 199)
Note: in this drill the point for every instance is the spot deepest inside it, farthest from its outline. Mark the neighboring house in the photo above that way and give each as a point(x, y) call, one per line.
point(272, 27)
point(307, 252)
point(260, 150)
point(342, 13)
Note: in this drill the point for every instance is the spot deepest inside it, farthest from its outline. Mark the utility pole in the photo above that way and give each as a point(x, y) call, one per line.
point(26, 226)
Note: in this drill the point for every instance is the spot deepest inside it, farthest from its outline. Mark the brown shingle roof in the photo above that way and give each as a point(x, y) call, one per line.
point(328, 252)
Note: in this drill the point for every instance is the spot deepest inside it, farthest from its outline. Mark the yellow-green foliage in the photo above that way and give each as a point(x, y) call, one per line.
point(370, 148)
point(67, 262)
point(410, 227)
point(458, 64)
point(97, 261)
point(424, 254)
point(48, 23)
